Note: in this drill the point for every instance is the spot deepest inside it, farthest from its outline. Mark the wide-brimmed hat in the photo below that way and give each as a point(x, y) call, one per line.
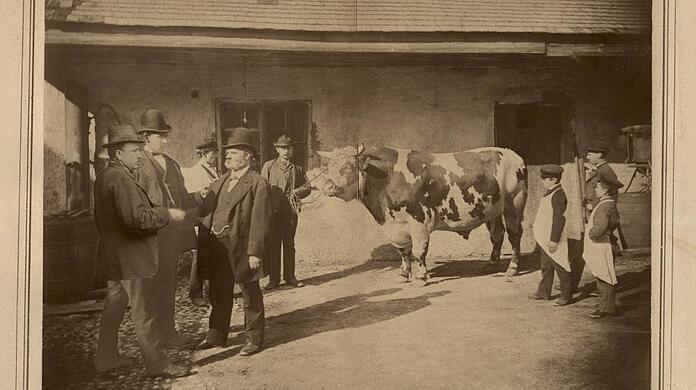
point(551, 170)
point(152, 120)
point(597, 145)
point(119, 134)
point(283, 142)
point(240, 136)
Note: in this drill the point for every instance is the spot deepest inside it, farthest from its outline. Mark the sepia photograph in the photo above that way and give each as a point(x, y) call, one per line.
point(349, 194)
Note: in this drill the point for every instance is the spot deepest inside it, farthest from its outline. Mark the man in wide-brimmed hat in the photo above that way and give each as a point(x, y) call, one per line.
point(198, 178)
point(288, 185)
point(163, 181)
point(128, 222)
point(232, 235)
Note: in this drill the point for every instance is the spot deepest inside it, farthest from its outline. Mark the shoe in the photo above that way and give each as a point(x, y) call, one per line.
point(597, 314)
point(271, 286)
point(199, 302)
point(536, 297)
point(119, 362)
point(214, 339)
point(250, 349)
point(561, 302)
point(172, 371)
point(208, 344)
point(294, 283)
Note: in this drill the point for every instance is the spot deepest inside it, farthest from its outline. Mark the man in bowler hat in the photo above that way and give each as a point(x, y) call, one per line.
point(198, 178)
point(232, 235)
point(163, 181)
point(288, 185)
point(128, 221)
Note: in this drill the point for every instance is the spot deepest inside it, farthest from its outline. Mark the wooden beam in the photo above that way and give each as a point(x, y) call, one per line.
point(58, 37)
point(596, 50)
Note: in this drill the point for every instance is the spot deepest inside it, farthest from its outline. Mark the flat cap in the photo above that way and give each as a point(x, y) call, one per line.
point(551, 170)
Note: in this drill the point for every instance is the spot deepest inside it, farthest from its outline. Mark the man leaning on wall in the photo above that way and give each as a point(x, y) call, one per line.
point(160, 175)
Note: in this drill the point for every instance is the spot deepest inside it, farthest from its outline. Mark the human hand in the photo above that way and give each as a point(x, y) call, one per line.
point(176, 215)
point(553, 246)
point(254, 262)
point(204, 192)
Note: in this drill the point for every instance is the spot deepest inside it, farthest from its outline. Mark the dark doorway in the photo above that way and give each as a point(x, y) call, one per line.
point(534, 131)
point(271, 119)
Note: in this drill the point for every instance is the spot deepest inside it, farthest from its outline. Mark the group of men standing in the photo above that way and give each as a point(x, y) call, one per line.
point(148, 211)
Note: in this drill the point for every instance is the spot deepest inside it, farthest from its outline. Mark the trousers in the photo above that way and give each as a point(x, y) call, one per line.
point(282, 235)
point(138, 293)
point(165, 284)
point(222, 281)
point(548, 266)
point(607, 297)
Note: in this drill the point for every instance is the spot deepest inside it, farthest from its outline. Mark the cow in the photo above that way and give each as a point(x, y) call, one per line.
point(411, 194)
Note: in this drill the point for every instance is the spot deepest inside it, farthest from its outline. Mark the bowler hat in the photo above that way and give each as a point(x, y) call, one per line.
point(119, 134)
point(153, 121)
point(551, 170)
point(597, 145)
point(240, 136)
point(283, 141)
point(609, 181)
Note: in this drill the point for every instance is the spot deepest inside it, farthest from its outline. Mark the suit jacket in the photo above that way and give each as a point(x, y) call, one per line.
point(127, 222)
point(249, 224)
point(150, 175)
point(283, 182)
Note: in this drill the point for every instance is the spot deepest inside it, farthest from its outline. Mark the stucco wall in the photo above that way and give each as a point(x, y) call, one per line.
point(423, 107)
point(429, 108)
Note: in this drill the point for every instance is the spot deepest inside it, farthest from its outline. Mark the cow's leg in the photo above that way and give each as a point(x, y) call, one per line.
point(513, 225)
point(496, 230)
point(405, 272)
point(420, 251)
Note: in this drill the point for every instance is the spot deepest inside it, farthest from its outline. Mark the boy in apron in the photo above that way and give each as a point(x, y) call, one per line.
point(550, 235)
point(597, 249)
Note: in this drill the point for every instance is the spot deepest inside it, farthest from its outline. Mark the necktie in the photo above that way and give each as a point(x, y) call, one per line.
point(234, 178)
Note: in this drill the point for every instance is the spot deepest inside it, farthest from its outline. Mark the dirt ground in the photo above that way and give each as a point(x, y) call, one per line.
point(354, 327)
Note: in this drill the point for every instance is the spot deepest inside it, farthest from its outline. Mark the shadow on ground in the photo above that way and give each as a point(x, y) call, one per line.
point(619, 359)
point(343, 313)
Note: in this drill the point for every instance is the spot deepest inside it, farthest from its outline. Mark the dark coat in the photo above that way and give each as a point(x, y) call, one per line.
point(150, 176)
point(249, 224)
point(283, 182)
point(127, 222)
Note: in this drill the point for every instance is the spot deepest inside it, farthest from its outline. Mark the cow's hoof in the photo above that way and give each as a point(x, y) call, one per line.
point(404, 278)
point(512, 272)
point(418, 282)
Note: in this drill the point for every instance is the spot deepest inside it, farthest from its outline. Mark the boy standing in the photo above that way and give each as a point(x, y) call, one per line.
point(597, 249)
point(550, 235)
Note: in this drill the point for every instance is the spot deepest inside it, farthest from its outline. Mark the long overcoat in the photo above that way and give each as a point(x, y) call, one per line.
point(249, 223)
point(127, 222)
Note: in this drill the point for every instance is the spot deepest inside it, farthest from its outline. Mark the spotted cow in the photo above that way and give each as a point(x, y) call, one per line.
point(411, 194)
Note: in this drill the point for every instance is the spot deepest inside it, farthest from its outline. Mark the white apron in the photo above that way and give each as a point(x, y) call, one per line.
point(598, 255)
point(542, 232)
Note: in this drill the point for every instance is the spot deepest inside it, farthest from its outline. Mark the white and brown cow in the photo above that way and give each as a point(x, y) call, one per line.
point(411, 194)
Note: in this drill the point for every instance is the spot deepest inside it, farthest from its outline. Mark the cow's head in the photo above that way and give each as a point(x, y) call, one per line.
point(345, 169)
